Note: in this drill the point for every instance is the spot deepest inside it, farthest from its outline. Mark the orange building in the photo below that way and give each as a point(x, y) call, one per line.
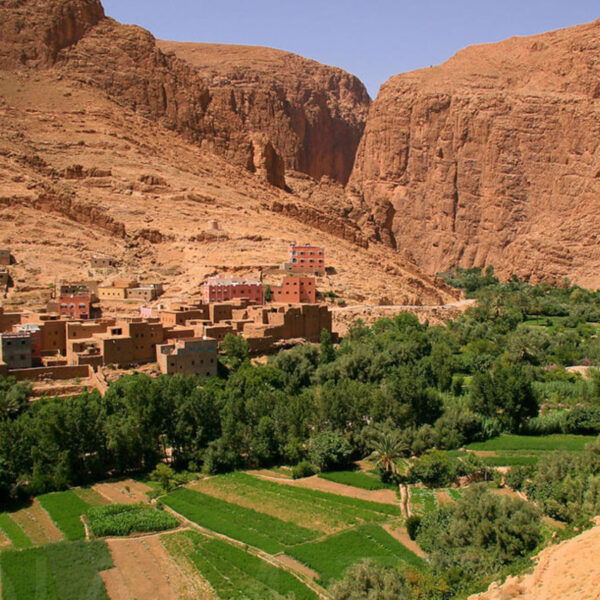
point(296, 290)
point(307, 258)
point(217, 289)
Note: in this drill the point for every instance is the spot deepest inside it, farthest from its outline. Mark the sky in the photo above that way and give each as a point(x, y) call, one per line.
point(373, 39)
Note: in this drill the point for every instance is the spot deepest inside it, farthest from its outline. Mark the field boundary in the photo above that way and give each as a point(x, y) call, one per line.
point(269, 558)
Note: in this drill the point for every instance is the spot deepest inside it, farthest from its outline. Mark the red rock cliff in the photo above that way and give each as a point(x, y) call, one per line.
point(262, 109)
point(491, 158)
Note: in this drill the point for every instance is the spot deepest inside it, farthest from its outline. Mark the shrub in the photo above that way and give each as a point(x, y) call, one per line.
point(433, 469)
point(329, 450)
point(412, 526)
point(303, 469)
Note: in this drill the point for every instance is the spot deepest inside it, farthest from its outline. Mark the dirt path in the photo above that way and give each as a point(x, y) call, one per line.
point(297, 566)
point(269, 473)
point(402, 536)
point(323, 485)
point(443, 498)
point(144, 569)
point(4, 542)
point(405, 501)
point(127, 491)
point(37, 524)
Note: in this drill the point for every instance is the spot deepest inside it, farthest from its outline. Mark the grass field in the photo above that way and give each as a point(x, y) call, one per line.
point(547, 443)
point(62, 571)
point(509, 461)
point(422, 500)
point(364, 481)
point(17, 537)
point(332, 556)
point(65, 509)
point(455, 494)
point(246, 525)
point(233, 573)
point(326, 512)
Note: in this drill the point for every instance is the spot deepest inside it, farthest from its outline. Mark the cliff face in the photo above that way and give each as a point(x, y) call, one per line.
point(313, 114)
point(490, 158)
point(262, 109)
point(33, 33)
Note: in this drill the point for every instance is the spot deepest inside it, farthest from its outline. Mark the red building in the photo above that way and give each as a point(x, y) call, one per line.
point(307, 259)
point(75, 306)
point(296, 290)
point(222, 290)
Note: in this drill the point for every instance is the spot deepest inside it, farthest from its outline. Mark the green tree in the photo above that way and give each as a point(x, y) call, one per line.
point(165, 477)
point(235, 348)
point(369, 581)
point(329, 450)
point(327, 354)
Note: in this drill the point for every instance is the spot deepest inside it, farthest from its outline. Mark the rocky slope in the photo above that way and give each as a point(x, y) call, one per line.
point(262, 109)
point(490, 158)
point(568, 571)
point(110, 145)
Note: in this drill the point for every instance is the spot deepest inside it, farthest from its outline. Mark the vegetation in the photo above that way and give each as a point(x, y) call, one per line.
point(246, 525)
point(332, 556)
point(63, 571)
point(233, 573)
point(17, 537)
point(65, 509)
point(357, 479)
point(125, 519)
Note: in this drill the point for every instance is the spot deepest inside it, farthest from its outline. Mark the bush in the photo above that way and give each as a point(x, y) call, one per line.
point(329, 450)
point(583, 420)
point(124, 519)
point(303, 469)
point(434, 469)
point(412, 526)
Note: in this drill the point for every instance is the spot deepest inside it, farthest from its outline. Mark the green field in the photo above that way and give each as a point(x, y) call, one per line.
point(65, 509)
point(547, 443)
point(18, 538)
point(332, 556)
point(329, 512)
point(125, 519)
point(246, 525)
point(233, 573)
point(62, 571)
point(455, 494)
point(357, 479)
point(422, 500)
point(509, 461)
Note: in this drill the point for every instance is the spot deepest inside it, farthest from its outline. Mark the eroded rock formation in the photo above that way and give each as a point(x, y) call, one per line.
point(491, 158)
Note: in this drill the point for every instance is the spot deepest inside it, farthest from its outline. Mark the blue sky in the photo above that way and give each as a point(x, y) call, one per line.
point(373, 39)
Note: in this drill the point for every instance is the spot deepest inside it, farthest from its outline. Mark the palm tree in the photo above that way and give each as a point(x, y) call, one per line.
point(388, 446)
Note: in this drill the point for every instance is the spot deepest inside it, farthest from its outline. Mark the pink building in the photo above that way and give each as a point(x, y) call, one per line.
point(222, 290)
point(307, 258)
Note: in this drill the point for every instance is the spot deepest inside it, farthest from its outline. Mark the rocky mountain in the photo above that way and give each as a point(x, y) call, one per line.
point(114, 143)
point(490, 158)
point(263, 109)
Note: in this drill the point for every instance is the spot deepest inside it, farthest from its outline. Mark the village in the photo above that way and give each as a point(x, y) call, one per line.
point(74, 338)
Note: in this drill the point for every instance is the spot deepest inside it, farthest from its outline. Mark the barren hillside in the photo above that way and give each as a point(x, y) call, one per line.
point(567, 571)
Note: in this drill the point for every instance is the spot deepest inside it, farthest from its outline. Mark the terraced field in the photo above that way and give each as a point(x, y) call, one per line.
point(325, 512)
point(422, 500)
point(332, 556)
point(66, 571)
point(233, 573)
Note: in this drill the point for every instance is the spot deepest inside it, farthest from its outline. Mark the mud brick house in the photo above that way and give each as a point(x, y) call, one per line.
point(15, 350)
point(307, 259)
point(76, 306)
point(117, 290)
point(114, 341)
point(170, 317)
point(147, 292)
point(35, 331)
point(5, 257)
point(9, 320)
point(102, 262)
point(296, 290)
point(218, 289)
point(194, 356)
point(52, 332)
